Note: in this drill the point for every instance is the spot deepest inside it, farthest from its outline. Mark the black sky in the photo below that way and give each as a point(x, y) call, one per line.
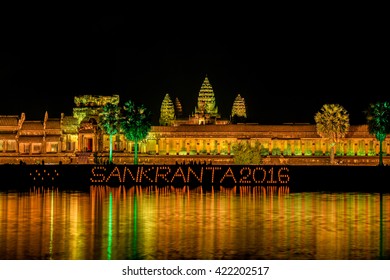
point(285, 70)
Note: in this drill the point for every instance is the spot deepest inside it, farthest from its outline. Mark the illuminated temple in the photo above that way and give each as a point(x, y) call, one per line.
point(203, 136)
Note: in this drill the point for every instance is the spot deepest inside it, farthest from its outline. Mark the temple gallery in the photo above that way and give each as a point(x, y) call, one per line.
point(202, 136)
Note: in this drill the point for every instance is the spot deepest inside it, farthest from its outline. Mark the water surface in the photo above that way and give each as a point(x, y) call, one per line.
point(165, 223)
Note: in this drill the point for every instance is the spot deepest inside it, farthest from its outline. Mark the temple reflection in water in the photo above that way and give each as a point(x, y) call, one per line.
point(190, 223)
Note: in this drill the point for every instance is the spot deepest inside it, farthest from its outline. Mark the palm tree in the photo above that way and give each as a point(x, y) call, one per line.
point(136, 123)
point(109, 121)
point(332, 123)
point(378, 120)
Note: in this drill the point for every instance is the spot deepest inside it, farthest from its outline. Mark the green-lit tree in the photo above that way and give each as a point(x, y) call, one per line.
point(378, 120)
point(109, 122)
point(244, 153)
point(135, 123)
point(332, 123)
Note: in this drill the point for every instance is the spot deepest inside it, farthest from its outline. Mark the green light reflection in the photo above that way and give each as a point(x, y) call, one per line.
point(134, 243)
point(109, 237)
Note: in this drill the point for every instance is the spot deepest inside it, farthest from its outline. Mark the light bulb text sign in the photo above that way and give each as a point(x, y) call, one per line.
point(190, 174)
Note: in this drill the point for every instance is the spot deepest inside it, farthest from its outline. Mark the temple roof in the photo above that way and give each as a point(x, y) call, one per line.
point(53, 138)
point(8, 136)
point(32, 125)
point(9, 120)
point(69, 120)
point(53, 124)
point(30, 139)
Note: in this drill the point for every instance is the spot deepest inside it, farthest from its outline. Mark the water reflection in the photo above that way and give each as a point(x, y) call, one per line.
point(191, 223)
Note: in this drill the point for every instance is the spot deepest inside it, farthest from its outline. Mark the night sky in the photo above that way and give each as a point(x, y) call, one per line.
point(285, 71)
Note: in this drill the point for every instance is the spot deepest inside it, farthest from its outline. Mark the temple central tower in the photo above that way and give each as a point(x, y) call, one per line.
point(206, 110)
point(206, 100)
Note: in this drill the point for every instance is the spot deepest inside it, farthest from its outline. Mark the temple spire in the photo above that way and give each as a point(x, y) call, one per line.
point(206, 100)
point(167, 112)
point(239, 107)
point(178, 108)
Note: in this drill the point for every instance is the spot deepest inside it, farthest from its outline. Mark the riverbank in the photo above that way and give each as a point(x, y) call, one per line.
point(337, 178)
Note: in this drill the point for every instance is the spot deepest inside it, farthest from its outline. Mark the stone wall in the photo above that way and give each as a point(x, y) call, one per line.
point(88, 158)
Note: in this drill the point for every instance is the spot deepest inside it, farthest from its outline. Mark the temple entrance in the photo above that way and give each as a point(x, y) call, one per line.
point(88, 144)
point(87, 135)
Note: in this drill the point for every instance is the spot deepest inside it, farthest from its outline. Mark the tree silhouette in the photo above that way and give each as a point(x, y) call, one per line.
point(109, 121)
point(378, 120)
point(135, 123)
point(332, 123)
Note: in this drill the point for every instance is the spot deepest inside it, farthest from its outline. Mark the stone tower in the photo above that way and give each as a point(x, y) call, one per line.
point(178, 108)
point(167, 112)
point(239, 107)
point(89, 106)
point(206, 100)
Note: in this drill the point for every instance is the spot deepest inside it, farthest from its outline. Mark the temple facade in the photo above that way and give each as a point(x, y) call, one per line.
point(202, 137)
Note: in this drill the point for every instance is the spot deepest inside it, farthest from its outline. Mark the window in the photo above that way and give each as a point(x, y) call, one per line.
point(118, 146)
point(36, 148)
point(52, 147)
point(24, 148)
point(11, 145)
point(70, 146)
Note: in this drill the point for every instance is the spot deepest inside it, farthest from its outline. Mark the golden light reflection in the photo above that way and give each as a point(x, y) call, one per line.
point(239, 222)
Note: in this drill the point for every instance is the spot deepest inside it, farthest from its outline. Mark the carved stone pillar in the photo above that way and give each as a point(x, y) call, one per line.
point(94, 143)
point(177, 147)
point(80, 145)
